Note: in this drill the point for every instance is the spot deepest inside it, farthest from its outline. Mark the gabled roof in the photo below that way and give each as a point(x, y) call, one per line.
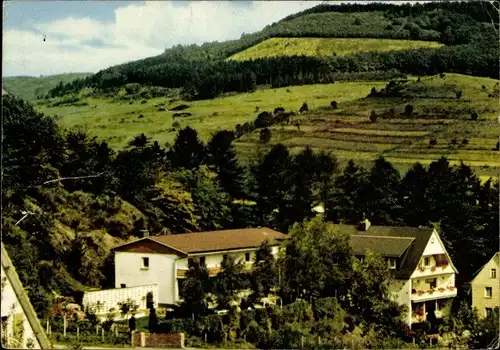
point(495, 257)
point(386, 246)
point(411, 255)
point(213, 241)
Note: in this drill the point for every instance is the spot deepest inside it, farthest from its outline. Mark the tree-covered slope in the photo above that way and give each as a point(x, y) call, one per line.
point(202, 72)
point(32, 88)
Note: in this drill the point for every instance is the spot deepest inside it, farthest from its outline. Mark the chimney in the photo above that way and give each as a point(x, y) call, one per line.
point(145, 233)
point(365, 225)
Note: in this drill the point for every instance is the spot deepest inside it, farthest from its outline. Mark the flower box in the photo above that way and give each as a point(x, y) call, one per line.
point(422, 269)
point(451, 288)
point(420, 292)
point(441, 289)
point(430, 291)
point(433, 268)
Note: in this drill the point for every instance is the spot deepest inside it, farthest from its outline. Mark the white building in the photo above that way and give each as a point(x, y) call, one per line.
point(163, 260)
point(20, 325)
point(424, 275)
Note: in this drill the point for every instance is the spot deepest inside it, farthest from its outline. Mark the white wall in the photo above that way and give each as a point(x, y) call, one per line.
point(11, 308)
point(161, 271)
point(401, 293)
point(111, 297)
point(434, 245)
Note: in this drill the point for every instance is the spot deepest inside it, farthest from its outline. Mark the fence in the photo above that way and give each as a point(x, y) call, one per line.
point(103, 301)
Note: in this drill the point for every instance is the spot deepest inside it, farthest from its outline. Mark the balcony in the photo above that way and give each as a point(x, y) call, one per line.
point(419, 295)
point(425, 271)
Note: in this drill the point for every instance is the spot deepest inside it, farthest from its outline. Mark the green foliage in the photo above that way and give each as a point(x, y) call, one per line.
point(188, 151)
point(264, 277)
point(229, 282)
point(314, 248)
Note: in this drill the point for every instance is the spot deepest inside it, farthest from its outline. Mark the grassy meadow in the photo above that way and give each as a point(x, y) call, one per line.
point(315, 47)
point(346, 131)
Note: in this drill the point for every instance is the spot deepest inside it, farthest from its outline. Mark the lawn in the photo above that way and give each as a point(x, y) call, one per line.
point(347, 131)
point(274, 47)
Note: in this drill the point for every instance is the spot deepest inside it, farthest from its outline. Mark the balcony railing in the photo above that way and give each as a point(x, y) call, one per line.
point(429, 270)
point(439, 292)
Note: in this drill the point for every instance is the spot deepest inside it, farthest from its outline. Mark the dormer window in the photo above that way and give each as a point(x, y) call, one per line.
point(391, 262)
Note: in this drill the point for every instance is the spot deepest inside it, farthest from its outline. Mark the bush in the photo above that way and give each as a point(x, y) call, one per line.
point(453, 141)
point(497, 147)
point(140, 116)
point(373, 92)
point(279, 110)
point(408, 110)
point(144, 102)
point(474, 116)
point(465, 141)
point(176, 124)
point(180, 107)
point(263, 120)
point(458, 94)
point(265, 135)
point(357, 22)
point(333, 104)
point(304, 108)
point(373, 117)
point(433, 142)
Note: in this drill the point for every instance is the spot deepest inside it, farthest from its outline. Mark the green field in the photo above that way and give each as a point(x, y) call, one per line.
point(346, 131)
point(30, 88)
point(274, 47)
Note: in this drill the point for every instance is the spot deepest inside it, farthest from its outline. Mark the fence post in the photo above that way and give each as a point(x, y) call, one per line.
point(143, 339)
point(77, 331)
point(302, 341)
point(132, 338)
point(102, 334)
point(64, 325)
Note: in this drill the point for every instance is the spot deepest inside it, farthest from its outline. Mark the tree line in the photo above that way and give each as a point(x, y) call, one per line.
point(192, 186)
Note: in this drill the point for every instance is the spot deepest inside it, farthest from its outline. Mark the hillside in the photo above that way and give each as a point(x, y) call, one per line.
point(33, 88)
point(347, 131)
point(319, 47)
point(203, 72)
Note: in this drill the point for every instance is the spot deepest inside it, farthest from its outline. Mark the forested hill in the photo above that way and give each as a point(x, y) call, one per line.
point(33, 88)
point(466, 29)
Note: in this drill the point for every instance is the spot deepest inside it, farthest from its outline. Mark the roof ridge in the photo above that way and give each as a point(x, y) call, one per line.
point(212, 231)
point(391, 237)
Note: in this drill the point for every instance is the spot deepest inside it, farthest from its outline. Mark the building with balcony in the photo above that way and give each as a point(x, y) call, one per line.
point(485, 287)
point(163, 260)
point(424, 275)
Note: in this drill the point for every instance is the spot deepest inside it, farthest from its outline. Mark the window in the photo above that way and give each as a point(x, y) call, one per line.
point(145, 263)
point(432, 282)
point(190, 261)
point(123, 285)
point(392, 263)
point(202, 260)
point(426, 261)
point(488, 291)
point(488, 311)
point(247, 257)
point(493, 273)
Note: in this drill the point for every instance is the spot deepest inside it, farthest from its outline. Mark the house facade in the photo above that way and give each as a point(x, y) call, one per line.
point(163, 260)
point(20, 326)
point(485, 287)
point(424, 275)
